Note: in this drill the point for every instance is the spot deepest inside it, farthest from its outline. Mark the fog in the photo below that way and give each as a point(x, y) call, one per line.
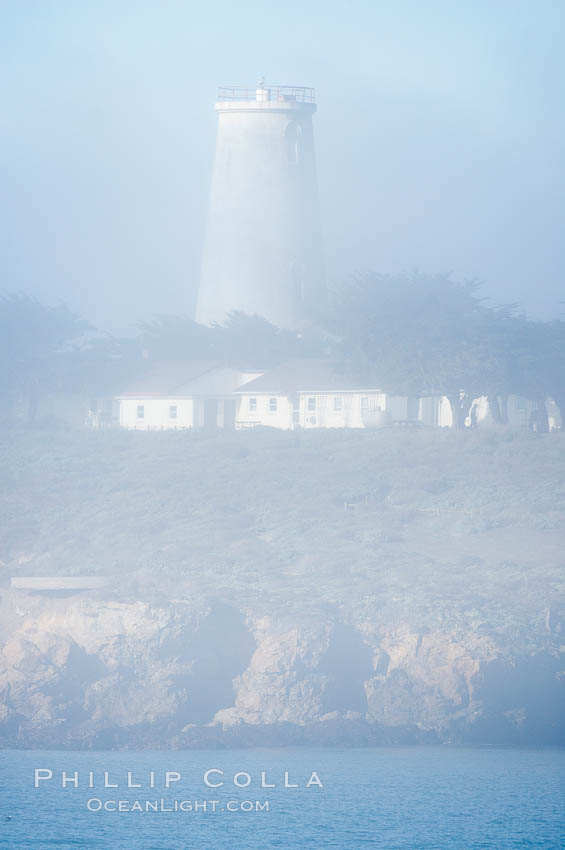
point(439, 139)
point(342, 526)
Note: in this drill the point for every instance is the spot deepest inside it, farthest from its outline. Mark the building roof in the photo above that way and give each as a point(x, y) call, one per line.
point(169, 378)
point(220, 382)
point(187, 378)
point(296, 376)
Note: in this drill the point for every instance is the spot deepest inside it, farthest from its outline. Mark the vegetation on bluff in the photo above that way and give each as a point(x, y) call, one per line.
point(430, 527)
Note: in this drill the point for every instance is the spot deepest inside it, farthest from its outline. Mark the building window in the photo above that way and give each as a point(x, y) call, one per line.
point(364, 404)
point(253, 404)
point(272, 405)
point(338, 402)
point(172, 411)
point(311, 404)
point(140, 413)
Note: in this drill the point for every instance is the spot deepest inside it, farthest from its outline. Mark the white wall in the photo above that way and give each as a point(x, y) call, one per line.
point(435, 411)
point(331, 410)
point(262, 415)
point(156, 413)
point(519, 411)
point(445, 413)
point(338, 410)
point(346, 409)
point(262, 252)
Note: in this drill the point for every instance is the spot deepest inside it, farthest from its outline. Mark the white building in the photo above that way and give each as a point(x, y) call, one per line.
point(298, 393)
point(313, 394)
point(182, 394)
point(262, 252)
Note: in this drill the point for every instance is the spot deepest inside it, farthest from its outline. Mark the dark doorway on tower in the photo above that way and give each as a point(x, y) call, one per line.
point(292, 136)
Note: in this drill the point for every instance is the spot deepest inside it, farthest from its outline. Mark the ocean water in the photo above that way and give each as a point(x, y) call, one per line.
point(384, 798)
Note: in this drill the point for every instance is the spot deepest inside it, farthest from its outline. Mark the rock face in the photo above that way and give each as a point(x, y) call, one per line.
point(87, 671)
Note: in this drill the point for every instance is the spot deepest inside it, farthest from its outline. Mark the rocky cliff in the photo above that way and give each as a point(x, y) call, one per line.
point(265, 587)
point(88, 670)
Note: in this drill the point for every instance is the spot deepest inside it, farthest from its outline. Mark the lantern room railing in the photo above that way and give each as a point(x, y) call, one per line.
point(279, 94)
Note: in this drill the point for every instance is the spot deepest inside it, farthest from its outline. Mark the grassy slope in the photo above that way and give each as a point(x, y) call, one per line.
point(460, 529)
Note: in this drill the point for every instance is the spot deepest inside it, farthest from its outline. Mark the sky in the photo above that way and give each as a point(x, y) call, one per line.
point(440, 142)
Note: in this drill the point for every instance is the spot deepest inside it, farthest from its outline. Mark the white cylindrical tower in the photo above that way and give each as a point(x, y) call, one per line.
point(263, 248)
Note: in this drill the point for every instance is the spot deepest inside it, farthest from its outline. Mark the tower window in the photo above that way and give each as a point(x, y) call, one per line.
point(292, 136)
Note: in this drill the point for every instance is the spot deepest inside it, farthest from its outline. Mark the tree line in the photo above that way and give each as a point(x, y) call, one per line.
point(407, 334)
point(427, 334)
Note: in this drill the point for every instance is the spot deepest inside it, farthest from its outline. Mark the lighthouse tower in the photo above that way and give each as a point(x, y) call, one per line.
point(263, 250)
